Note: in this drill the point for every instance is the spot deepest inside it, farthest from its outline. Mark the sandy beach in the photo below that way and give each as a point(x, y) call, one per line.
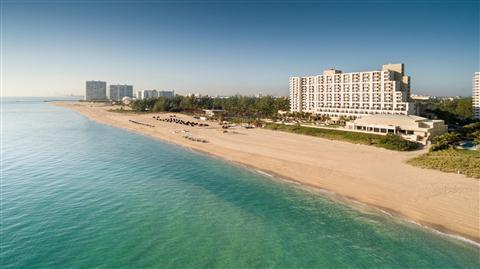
point(377, 177)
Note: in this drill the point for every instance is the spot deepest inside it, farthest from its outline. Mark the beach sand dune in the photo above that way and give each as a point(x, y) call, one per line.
point(377, 177)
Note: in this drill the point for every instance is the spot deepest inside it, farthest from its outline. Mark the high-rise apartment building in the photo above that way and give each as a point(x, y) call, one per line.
point(96, 91)
point(117, 92)
point(353, 94)
point(476, 95)
point(145, 94)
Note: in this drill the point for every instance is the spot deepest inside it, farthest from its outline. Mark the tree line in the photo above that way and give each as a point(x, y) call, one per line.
point(450, 140)
point(456, 112)
point(239, 106)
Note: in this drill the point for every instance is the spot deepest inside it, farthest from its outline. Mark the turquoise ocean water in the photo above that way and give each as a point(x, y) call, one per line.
point(77, 194)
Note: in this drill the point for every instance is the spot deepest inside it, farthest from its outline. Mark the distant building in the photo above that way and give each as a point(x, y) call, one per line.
point(152, 94)
point(420, 97)
point(220, 96)
point(353, 94)
point(117, 92)
point(476, 95)
point(166, 94)
point(410, 127)
point(196, 95)
point(145, 94)
point(95, 90)
point(449, 98)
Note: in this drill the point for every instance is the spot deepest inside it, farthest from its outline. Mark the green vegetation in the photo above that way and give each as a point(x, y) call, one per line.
point(449, 140)
point(395, 142)
point(445, 141)
point(235, 106)
point(445, 157)
point(466, 162)
point(456, 112)
point(390, 141)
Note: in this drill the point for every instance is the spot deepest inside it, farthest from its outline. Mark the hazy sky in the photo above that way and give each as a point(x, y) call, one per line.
point(52, 47)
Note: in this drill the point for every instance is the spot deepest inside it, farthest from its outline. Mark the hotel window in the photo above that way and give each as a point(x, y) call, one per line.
point(366, 77)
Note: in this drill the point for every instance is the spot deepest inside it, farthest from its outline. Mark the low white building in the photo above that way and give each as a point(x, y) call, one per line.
point(127, 100)
point(420, 97)
point(213, 112)
point(410, 127)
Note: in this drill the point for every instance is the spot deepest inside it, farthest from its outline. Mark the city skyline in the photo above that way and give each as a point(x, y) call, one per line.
point(233, 48)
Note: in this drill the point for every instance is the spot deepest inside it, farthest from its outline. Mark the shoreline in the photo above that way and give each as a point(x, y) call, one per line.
point(99, 113)
point(352, 202)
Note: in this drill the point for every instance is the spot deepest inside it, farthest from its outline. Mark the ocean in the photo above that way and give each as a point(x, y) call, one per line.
point(78, 194)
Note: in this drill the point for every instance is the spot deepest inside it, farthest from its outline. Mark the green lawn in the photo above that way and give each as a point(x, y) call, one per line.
point(451, 160)
point(390, 142)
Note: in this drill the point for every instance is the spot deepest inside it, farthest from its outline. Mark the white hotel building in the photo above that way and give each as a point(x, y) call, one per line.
point(353, 94)
point(476, 95)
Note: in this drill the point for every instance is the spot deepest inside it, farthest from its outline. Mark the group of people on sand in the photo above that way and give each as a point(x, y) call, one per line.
point(173, 119)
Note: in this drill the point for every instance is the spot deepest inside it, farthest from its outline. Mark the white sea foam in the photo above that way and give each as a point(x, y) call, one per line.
point(264, 173)
point(454, 236)
point(385, 212)
point(290, 181)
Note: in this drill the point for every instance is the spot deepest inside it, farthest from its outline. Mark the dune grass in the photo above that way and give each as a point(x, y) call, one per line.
point(391, 142)
point(466, 162)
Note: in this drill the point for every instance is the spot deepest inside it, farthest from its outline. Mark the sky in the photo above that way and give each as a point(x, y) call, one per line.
point(50, 48)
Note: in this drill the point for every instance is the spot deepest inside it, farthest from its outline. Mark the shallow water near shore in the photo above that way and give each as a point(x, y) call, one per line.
point(75, 193)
